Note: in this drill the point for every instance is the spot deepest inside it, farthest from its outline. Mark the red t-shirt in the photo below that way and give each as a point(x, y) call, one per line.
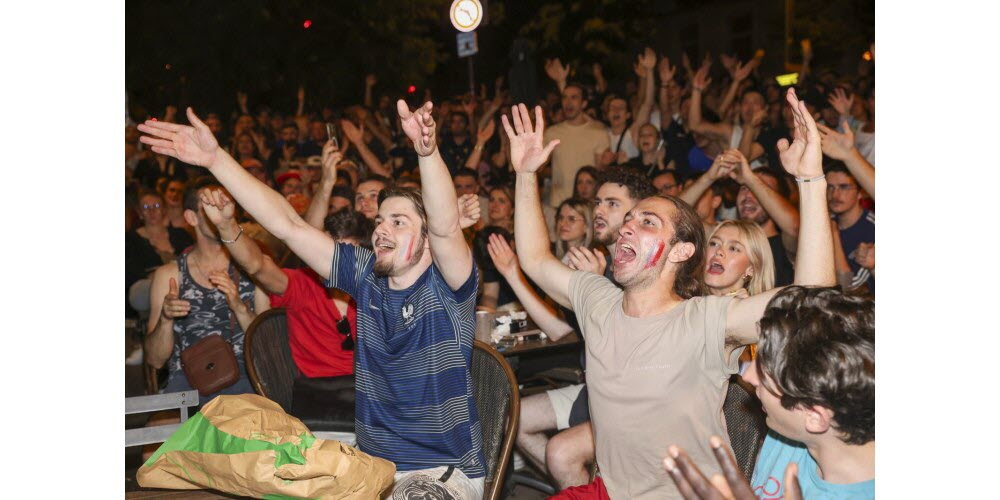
point(312, 325)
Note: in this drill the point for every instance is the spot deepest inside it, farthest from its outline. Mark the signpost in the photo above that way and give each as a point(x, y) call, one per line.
point(465, 17)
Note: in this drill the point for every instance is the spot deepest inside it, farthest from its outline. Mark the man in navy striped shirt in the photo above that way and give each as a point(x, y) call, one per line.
point(416, 298)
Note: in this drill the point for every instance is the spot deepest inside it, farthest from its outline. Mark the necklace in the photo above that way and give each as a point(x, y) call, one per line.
point(201, 270)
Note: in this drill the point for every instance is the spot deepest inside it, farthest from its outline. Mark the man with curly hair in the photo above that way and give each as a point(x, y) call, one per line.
point(815, 377)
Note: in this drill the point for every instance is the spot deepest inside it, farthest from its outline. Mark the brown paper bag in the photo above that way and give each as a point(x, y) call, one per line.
point(246, 445)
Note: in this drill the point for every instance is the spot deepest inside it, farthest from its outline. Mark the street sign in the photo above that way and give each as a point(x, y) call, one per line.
point(467, 44)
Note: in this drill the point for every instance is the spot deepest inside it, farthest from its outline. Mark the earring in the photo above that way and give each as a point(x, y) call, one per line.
point(746, 280)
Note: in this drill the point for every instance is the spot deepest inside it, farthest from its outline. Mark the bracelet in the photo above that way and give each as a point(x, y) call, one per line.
point(814, 179)
point(237, 238)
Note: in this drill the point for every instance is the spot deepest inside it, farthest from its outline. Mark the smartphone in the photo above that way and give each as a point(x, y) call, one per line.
point(331, 132)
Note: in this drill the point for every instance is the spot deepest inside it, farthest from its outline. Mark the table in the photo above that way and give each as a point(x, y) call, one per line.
point(539, 346)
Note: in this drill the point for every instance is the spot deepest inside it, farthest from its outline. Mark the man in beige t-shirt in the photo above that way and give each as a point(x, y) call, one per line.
point(658, 354)
point(583, 140)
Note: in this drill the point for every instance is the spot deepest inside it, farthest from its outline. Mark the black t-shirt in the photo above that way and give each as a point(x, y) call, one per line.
point(455, 155)
point(678, 143)
point(784, 274)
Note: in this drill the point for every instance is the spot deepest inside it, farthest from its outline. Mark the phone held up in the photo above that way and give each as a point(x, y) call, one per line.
point(331, 133)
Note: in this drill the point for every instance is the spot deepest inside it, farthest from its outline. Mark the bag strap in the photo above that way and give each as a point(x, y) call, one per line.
point(233, 275)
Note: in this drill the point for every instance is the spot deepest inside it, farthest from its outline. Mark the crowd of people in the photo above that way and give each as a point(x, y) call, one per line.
point(686, 231)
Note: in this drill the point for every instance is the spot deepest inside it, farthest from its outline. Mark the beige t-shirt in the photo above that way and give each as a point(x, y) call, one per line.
point(577, 147)
point(653, 382)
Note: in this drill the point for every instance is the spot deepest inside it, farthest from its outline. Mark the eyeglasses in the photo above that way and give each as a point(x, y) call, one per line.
point(344, 327)
point(154, 206)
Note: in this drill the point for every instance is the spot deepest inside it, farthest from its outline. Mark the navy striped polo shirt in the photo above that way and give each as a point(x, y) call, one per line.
point(414, 403)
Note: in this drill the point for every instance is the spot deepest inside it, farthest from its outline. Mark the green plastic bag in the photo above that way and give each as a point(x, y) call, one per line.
point(247, 445)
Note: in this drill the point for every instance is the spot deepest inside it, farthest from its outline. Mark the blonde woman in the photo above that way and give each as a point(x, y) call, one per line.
point(738, 259)
point(738, 262)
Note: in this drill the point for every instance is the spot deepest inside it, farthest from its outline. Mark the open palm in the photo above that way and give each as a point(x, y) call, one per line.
point(526, 152)
point(195, 145)
point(418, 126)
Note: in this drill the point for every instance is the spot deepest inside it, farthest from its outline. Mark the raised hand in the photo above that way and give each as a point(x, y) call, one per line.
point(225, 284)
point(300, 95)
point(647, 61)
point(865, 255)
point(597, 71)
point(742, 71)
point(173, 306)
point(556, 71)
point(837, 145)
point(686, 62)
point(503, 256)
point(729, 62)
point(419, 126)
point(803, 158)
point(469, 104)
point(807, 51)
point(170, 114)
point(353, 133)
point(740, 170)
point(666, 70)
point(468, 210)
point(758, 117)
point(370, 80)
point(730, 485)
point(585, 259)
point(701, 79)
point(526, 152)
point(486, 131)
point(190, 144)
point(241, 99)
point(721, 167)
point(331, 157)
point(693, 484)
point(219, 208)
point(841, 101)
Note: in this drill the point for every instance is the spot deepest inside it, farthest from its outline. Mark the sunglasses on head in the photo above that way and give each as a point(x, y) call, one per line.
point(344, 327)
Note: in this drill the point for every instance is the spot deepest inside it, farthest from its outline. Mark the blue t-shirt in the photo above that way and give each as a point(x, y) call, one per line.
point(862, 231)
point(769, 473)
point(414, 403)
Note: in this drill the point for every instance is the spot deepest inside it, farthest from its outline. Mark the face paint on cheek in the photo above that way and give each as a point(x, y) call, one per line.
point(655, 257)
point(409, 249)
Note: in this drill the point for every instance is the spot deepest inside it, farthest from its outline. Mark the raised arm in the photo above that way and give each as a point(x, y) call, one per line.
point(370, 81)
point(739, 72)
point(448, 246)
point(531, 235)
point(647, 61)
point(482, 135)
point(840, 146)
point(777, 207)
point(667, 108)
point(557, 72)
point(695, 123)
point(320, 204)
point(357, 138)
point(196, 145)
point(803, 158)
point(719, 169)
point(165, 306)
point(543, 316)
point(221, 210)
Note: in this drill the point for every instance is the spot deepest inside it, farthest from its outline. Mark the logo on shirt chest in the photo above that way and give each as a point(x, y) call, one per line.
point(407, 312)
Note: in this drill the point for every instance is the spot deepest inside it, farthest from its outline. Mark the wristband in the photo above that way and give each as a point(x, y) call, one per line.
point(800, 180)
point(234, 239)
